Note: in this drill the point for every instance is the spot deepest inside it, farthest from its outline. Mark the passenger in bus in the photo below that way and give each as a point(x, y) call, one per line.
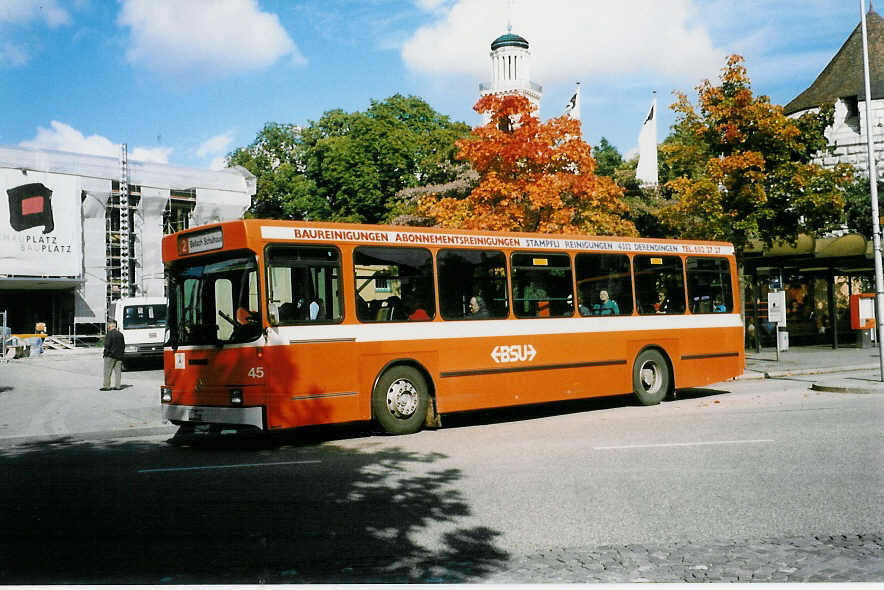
point(394, 310)
point(478, 309)
point(363, 311)
point(582, 307)
point(718, 306)
point(662, 305)
point(244, 316)
point(287, 312)
point(419, 315)
point(607, 306)
point(315, 309)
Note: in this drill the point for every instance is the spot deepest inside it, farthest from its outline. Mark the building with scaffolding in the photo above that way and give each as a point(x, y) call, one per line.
point(80, 231)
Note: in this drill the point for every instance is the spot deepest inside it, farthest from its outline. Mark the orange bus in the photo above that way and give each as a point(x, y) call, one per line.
point(279, 324)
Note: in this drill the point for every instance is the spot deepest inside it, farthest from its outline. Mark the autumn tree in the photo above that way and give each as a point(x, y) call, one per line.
point(533, 176)
point(740, 169)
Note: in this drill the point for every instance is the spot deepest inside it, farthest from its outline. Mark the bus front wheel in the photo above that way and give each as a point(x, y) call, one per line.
point(399, 400)
point(650, 377)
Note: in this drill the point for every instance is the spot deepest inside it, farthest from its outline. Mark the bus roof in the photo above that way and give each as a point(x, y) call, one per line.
point(244, 233)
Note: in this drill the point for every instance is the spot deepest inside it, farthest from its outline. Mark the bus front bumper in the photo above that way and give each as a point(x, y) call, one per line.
point(211, 415)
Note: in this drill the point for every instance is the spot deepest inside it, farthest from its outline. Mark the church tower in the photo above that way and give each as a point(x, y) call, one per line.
point(511, 70)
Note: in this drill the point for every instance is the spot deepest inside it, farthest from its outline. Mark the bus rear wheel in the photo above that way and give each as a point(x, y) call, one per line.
point(650, 377)
point(399, 401)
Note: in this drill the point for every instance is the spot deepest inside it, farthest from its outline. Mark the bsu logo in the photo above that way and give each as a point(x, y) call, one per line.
point(30, 206)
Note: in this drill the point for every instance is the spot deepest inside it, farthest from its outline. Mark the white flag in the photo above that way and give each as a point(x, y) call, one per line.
point(572, 109)
point(646, 171)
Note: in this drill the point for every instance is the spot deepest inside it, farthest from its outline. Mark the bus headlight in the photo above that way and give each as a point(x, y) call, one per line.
point(131, 348)
point(165, 393)
point(236, 397)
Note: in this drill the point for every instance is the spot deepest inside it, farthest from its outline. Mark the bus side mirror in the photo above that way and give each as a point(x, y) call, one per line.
point(273, 314)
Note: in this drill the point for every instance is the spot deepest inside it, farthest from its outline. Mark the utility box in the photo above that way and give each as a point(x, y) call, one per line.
point(782, 338)
point(862, 311)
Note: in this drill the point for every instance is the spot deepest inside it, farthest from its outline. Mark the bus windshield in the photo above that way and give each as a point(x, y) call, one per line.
point(214, 302)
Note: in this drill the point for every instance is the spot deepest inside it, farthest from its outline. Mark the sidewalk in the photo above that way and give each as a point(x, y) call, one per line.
point(55, 397)
point(819, 361)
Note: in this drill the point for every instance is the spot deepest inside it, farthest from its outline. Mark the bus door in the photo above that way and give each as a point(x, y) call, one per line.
point(311, 364)
point(216, 337)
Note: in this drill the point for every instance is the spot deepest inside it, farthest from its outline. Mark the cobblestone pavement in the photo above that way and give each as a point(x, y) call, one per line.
point(850, 558)
point(854, 558)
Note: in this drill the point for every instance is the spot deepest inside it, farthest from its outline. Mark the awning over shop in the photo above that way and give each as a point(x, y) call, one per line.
point(38, 283)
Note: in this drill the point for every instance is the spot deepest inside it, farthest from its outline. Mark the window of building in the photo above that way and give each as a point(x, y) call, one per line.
point(542, 285)
point(659, 284)
point(409, 292)
point(305, 284)
point(176, 216)
point(851, 118)
point(472, 284)
point(604, 284)
point(709, 285)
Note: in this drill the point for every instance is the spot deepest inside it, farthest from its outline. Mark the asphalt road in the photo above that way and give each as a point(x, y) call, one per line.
point(755, 470)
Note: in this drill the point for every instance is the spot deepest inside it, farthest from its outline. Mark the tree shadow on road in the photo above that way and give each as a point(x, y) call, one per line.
point(139, 512)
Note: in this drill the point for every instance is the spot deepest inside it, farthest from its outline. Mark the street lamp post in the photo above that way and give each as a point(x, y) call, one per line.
point(873, 183)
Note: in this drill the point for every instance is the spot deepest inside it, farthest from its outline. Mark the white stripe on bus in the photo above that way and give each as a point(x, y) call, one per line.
point(523, 328)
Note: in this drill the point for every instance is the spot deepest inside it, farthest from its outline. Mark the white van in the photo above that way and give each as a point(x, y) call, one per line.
point(142, 321)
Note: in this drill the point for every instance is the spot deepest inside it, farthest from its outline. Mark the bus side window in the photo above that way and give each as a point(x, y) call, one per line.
point(394, 284)
point(468, 274)
point(604, 284)
point(659, 284)
point(305, 283)
point(542, 285)
point(709, 285)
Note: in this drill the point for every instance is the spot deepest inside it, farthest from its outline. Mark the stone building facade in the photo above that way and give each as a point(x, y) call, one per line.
point(842, 83)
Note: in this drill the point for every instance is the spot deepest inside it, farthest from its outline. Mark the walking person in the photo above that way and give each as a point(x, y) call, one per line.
point(114, 343)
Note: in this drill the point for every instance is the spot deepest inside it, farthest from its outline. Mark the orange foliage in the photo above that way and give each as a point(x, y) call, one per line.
point(533, 176)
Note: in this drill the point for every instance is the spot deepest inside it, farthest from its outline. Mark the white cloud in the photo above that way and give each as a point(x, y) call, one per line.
point(25, 11)
point(63, 137)
point(155, 154)
point(215, 145)
point(616, 42)
point(204, 38)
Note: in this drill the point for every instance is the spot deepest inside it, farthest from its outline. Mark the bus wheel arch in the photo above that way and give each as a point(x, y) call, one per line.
point(653, 377)
point(403, 397)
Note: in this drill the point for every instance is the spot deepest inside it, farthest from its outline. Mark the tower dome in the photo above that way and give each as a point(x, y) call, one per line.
point(511, 70)
point(509, 40)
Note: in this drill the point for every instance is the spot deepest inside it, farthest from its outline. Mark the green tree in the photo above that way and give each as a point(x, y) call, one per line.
point(858, 206)
point(350, 166)
point(741, 169)
point(276, 160)
point(607, 158)
point(359, 161)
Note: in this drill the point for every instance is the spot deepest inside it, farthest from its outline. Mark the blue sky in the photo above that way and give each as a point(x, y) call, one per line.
point(188, 81)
